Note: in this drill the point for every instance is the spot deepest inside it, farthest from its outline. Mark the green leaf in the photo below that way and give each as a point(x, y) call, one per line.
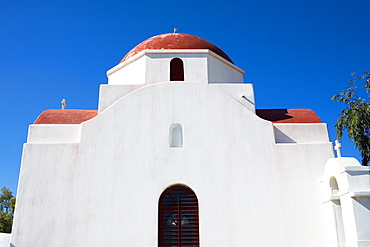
point(355, 118)
point(7, 206)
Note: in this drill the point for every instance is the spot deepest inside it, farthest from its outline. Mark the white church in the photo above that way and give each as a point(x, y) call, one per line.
point(178, 155)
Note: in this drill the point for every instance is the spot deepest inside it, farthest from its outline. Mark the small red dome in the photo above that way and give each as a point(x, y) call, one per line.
point(175, 41)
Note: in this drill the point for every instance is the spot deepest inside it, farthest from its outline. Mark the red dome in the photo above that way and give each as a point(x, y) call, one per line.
point(175, 41)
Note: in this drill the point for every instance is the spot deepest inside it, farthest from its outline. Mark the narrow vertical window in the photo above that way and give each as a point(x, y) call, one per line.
point(178, 218)
point(176, 136)
point(176, 70)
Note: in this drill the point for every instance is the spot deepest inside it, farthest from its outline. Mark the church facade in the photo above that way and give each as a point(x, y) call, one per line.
point(178, 155)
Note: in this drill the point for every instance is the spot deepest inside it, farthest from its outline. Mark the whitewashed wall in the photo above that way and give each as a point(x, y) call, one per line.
point(4, 239)
point(152, 66)
point(349, 207)
point(104, 190)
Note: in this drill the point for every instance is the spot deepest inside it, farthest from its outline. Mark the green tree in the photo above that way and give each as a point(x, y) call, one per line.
point(7, 206)
point(355, 118)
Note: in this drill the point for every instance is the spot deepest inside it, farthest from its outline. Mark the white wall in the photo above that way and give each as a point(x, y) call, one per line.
point(242, 92)
point(354, 196)
point(218, 72)
point(104, 190)
point(152, 66)
point(129, 74)
point(301, 133)
point(53, 133)
point(4, 239)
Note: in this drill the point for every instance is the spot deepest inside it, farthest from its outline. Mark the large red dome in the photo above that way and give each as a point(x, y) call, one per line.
point(175, 41)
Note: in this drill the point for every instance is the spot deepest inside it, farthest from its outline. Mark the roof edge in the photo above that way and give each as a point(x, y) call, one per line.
point(288, 115)
point(57, 116)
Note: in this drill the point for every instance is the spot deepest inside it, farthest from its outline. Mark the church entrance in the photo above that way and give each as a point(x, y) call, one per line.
point(178, 218)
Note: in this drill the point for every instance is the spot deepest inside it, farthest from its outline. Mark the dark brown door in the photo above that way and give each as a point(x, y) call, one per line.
point(178, 218)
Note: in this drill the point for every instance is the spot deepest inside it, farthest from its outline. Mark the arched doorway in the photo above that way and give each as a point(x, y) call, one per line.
point(178, 218)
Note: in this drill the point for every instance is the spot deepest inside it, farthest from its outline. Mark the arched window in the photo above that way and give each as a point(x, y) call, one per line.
point(333, 186)
point(176, 70)
point(178, 218)
point(176, 136)
point(337, 208)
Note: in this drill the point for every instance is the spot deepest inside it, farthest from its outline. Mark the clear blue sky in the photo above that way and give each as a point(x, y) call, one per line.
point(296, 53)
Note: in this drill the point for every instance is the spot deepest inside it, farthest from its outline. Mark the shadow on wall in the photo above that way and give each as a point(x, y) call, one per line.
point(364, 202)
point(276, 115)
point(281, 137)
point(273, 115)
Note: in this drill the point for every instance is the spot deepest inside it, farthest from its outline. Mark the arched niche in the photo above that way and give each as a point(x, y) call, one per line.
point(176, 136)
point(337, 208)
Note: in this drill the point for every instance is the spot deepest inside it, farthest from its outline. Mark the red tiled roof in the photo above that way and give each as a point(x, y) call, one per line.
point(273, 115)
point(65, 116)
point(175, 41)
point(288, 115)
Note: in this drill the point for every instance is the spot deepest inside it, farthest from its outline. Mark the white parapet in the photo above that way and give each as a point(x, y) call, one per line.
point(54, 133)
point(301, 133)
point(241, 92)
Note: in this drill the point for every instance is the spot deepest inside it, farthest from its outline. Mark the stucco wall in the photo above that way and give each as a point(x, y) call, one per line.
point(104, 190)
point(299, 169)
point(133, 73)
point(152, 66)
point(4, 239)
point(301, 133)
point(242, 92)
point(53, 133)
point(352, 198)
point(218, 72)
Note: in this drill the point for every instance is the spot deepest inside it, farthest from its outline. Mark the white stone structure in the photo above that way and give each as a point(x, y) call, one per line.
point(347, 202)
point(176, 115)
point(4, 239)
